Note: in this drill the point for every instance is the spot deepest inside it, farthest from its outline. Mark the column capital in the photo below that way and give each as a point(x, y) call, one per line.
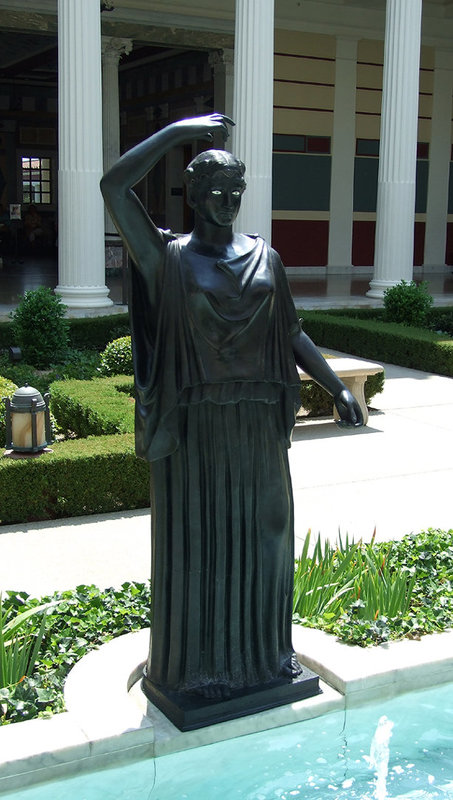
point(221, 59)
point(113, 48)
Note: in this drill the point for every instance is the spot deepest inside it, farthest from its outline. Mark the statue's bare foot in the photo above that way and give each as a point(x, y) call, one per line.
point(291, 667)
point(213, 691)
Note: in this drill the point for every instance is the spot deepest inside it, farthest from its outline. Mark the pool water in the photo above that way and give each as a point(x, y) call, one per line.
point(401, 749)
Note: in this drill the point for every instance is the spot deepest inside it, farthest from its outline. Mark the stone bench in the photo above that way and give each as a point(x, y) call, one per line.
point(353, 372)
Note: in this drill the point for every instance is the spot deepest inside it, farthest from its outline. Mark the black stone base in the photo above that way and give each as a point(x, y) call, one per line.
point(189, 712)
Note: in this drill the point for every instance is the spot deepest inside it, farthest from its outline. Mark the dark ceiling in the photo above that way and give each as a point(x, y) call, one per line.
point(28, 57)
point(33, 58)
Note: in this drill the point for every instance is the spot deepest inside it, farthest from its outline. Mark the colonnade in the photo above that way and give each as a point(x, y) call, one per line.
point(89, 141)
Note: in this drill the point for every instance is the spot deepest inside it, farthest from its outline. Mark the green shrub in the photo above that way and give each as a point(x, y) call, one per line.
point(79, 364)
point(78, 621)
point(441, 319)
point(368, 593)
point(408, 303)
point(317, 402)
point(6, 335)
point(117, 358)
point(335, 578)
point(381, 341)
point(85, 333)
point(7, 389)
point(40, 328)
point(79, 477)
point(98, 407)
point(21, 373)
point(19, 643)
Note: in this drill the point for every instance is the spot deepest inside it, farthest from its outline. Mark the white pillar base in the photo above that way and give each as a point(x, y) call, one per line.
point(377, 288)
point(84, 296)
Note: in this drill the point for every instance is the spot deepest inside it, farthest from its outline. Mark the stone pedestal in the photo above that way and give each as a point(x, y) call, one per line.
point(189, 712)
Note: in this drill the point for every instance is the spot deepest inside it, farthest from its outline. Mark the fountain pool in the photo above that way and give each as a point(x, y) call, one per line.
point(400, 749)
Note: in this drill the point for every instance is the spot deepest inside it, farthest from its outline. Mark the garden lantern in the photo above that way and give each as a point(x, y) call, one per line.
point(27, 421)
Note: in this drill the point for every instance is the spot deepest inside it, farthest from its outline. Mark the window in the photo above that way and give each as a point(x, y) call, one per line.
point(36, 180)
point(289, 143)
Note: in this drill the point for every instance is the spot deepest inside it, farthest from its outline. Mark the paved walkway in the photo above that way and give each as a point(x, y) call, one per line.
point(396, 475)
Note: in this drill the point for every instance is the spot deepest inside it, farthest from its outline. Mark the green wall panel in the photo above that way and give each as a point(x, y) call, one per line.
point(300, 182)
point(365, 183)
point(421, 189)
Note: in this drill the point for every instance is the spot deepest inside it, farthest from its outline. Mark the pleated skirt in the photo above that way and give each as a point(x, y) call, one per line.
point(222, 550)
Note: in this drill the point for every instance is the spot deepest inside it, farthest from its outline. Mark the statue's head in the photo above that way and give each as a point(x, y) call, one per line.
point(215, 184)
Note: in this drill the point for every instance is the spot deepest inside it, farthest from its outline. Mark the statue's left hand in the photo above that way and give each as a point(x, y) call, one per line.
point(205, 127)
point(349, 410)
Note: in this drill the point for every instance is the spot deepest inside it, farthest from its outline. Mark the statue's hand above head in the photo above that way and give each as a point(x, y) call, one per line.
point(349, 410)
point(206, 126)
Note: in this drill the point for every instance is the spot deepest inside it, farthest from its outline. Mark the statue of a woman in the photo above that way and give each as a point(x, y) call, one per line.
point(216, 341)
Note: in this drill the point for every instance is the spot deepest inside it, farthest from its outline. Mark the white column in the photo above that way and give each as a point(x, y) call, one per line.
point(81, 259)
point(112, 50)
point(394, 250)
point(343, 152)
point(253, 111)
point(439, 162)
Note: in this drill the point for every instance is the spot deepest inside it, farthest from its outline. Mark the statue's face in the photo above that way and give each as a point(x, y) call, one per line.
point(220, 198)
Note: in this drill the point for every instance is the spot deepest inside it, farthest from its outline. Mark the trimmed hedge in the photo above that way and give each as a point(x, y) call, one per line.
point(85, 333)
point(7, 389)
point(416, 348)
point(96, 332)
point(105, 405)
point(81, 476)
point(98, 407)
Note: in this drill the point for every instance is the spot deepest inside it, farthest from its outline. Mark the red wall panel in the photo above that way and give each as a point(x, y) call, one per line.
point(301, 243)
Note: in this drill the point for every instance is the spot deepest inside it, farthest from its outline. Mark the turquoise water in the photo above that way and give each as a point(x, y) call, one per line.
point(327, 758)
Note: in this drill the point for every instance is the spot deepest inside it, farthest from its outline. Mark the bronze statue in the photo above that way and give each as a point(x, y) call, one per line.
point(216, 339)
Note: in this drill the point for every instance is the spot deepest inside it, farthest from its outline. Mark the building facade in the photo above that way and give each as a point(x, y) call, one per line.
point(343, 112)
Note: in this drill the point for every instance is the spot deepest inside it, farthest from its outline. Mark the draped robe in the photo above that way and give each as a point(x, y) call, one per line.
point(217, 390)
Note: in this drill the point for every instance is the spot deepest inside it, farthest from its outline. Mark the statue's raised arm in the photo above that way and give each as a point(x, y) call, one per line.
point(143, 239)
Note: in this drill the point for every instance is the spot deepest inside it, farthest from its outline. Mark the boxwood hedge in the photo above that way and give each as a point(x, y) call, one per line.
point(98, 407)
point(416, 348)
point(80, 476)
point(85, 333)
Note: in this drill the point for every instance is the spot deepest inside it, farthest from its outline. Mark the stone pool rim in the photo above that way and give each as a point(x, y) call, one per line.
point(107, 725)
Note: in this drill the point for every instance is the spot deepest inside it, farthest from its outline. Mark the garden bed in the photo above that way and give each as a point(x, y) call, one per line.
point(82, 619)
